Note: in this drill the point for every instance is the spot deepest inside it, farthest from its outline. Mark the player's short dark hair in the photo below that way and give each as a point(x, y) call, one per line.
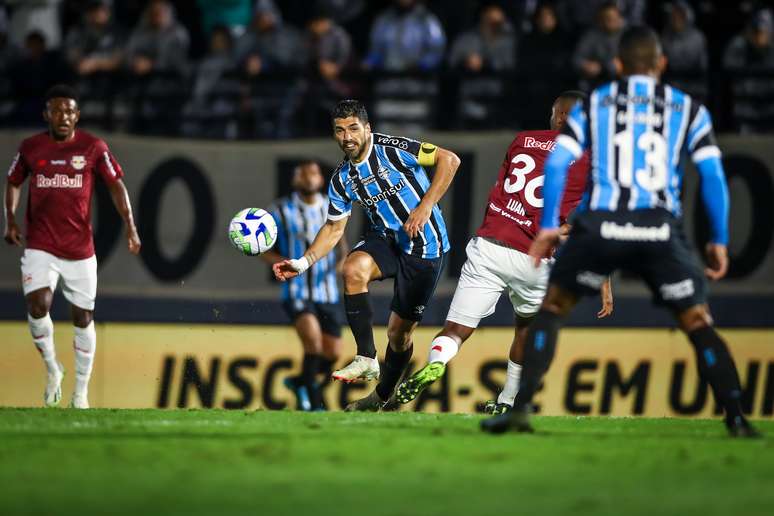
point(576, 95)
point(307, 163)
point(348, 108)
point(639, 49)
point(63, 91)
point(610, 4)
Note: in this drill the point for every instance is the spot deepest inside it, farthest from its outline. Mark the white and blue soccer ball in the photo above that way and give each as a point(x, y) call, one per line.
point(253, 231)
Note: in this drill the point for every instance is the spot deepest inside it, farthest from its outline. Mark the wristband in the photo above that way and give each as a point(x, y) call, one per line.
point(300, 265)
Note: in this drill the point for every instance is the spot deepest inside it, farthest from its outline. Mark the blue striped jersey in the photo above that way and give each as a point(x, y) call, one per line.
point(639, 132)
point(389, 183)
point(297, 225)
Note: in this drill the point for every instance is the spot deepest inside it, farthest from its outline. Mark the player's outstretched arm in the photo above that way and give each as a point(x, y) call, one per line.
point(326, 239)
point(446, 165)
point(120, 197)
point(11, 203)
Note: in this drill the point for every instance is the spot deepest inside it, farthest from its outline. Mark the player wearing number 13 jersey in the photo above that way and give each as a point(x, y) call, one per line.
point(497, 255)
point(639, 132)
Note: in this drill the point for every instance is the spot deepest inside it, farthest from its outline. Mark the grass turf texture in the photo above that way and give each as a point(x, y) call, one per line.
point(144, 462)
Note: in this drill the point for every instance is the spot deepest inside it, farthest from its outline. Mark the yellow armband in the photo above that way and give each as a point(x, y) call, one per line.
point(427, 154)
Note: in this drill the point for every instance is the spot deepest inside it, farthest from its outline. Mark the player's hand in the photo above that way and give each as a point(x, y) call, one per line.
point(287, 269)
point(543, 245)
point(13, 234)
point(606, 295)
point(133, 241)
point(417, 219)
point(717, 261)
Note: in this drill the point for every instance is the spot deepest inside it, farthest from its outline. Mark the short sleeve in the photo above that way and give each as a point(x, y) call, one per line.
point(339, 201)
point(18, 171)
point(106, 165)
point(700, 139)
point(577, 182)
point(422, 154)
point(279, 218)
point(575, 133)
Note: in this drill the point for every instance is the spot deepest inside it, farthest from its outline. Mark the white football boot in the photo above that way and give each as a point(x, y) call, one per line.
point(53, 393)
point(79, 401)
point(361, 368)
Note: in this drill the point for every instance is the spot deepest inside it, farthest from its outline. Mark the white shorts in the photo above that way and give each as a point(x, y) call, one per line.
point(79, 277)
point(490, 269)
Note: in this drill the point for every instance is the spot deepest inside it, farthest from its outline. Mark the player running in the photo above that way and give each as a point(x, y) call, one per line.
point(311, 302)
point(637, 130)
point(406, 239)
point(498, 260)
point(63, 164)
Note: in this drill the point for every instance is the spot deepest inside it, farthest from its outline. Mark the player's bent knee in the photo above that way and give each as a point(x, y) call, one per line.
point(694, 318)
point(82, 318)
point(357, 270)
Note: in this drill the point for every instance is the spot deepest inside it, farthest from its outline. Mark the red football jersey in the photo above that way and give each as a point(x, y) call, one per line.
point(62, 178)
point(515, 202)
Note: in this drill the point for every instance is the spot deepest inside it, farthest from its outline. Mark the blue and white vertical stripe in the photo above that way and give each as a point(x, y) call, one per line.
point(297, 225)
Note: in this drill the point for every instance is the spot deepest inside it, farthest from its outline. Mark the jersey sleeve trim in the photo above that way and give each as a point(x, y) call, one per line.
point(710, 151)
point(13, 177)
point(342, 215)
point(570, 144)
point(399, 142)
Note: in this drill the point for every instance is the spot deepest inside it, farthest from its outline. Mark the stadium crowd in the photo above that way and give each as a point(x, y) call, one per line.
point(266, 69)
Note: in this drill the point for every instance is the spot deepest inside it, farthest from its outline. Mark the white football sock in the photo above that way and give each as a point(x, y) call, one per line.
point(512, 377)
point(442, 349)
point(84, 344)
point(42, 331)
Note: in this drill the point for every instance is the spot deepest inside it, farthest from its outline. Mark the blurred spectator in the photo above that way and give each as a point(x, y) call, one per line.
point(684, 45)
point(328, 46)
point(159, 43)
point(215, 99)
point(269, 44)
point(578, 15)
point(41, 16)
point(492, 46)
point(544, 59)
point(598, 47)
point(218, 61)
point(751, 53)
point(406, 37)
point(37, 69)
point(546, 50)
point(96, 45)
point(234, 14)
point(753, 49)
point(329, 49)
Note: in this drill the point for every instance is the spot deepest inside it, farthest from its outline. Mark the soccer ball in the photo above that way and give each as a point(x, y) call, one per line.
point(252, 231)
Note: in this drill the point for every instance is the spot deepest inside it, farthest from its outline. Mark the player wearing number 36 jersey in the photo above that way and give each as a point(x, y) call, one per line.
point(497, 255)
point(639, 132)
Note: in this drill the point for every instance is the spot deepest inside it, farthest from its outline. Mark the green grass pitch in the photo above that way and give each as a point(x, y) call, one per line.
point(147, 462)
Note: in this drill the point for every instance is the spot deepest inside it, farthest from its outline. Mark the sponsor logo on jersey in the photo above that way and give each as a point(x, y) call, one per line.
point(60, 181)
point(392, 141)
point(532, 143)
point(58, 162)
point(631, 233)
point(78, 162)
point(383, 172)
point(391, 191)
point(679, 290)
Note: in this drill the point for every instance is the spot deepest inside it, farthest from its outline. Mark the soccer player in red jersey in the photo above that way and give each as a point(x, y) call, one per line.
point(62, 165)
point(498, 259)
